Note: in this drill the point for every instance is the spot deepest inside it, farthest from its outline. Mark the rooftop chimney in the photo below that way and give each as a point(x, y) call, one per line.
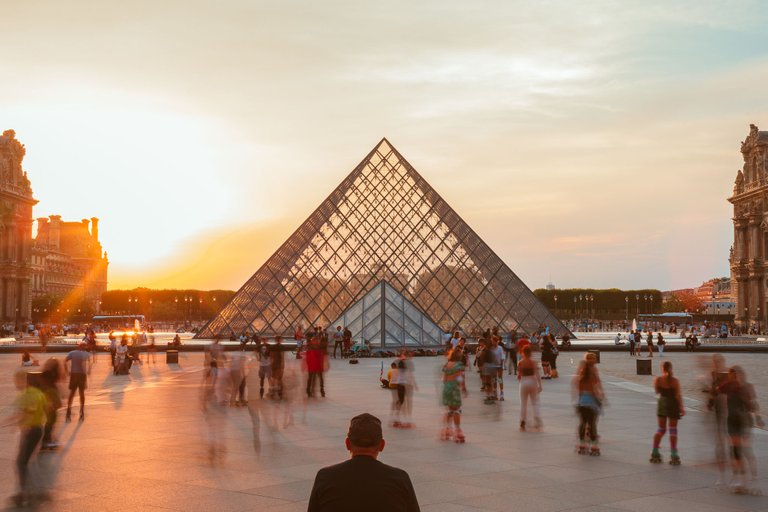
point(95, 229)
point(54, 232)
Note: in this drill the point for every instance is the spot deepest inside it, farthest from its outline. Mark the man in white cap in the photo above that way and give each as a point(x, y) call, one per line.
point(362, 482)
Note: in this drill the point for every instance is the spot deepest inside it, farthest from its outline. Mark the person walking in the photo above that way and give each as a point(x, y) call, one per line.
point(669, 410)
point(661, 343)
point(530, 387)
point(512, 351)
point(453, 387)
point(50, 377)
point(363, 482)
point(742, 415)
point(77, 370)
point(277, 358)
point(29, 415)
point(315, 363)
point(555, 352)
point(649, 340)
point(589, 398)
point(338, 341)
point(265, 368)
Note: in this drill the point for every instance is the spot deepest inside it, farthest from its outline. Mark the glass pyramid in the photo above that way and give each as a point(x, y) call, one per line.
point(384, 222)
point(387, 319)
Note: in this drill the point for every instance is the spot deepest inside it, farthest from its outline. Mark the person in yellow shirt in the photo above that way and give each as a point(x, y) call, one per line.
point(30, 413)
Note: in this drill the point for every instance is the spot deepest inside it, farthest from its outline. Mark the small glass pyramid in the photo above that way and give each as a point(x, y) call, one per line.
point(384, 222)
point(387, 319)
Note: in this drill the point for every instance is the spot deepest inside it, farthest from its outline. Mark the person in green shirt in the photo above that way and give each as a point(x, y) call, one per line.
point(30, 415)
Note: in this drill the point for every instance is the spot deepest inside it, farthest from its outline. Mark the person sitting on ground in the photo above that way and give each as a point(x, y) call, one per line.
point(363, 482)
point(26, 360)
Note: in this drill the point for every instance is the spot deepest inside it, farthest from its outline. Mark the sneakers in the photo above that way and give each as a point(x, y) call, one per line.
point(522, 426)
point(501, 398)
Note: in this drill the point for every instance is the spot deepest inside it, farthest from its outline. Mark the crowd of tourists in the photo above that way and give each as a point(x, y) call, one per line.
point(269, 387)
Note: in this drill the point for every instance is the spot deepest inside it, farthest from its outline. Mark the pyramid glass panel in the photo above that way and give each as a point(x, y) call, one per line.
point(384, 222)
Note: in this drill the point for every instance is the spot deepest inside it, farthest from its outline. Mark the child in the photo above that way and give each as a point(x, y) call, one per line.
point(385, 383)
point(30, 415)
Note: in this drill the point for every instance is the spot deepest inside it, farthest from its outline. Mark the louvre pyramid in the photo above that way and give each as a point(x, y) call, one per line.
point(384, 222)
point(387, 319)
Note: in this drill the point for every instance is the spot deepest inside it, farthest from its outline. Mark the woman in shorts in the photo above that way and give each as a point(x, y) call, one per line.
point(669, 409)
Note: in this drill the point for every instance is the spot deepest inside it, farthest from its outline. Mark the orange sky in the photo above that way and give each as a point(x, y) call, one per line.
point(591, 143)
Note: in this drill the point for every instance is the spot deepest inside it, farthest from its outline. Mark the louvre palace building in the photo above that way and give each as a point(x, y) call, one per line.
point(64, 262)
point(750, 228)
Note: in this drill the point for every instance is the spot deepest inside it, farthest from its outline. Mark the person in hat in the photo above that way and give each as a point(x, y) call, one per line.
point(363, 482)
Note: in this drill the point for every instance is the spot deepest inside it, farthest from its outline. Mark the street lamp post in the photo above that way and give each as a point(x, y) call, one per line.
point(637, 304)
point(746, 318)
point(652, 310)
point(626, 301)
point(555, 305)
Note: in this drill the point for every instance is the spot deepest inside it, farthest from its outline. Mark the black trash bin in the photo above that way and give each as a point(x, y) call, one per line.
point(644, 367)
point(597, 354)
point(172, 357)
point(35, 379)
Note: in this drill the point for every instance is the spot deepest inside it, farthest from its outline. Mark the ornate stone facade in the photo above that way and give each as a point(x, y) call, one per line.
point(16, 204)
point(750, 223)
point(68, 262)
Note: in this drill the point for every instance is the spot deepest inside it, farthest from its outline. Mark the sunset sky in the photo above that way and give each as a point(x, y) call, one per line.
point(593, 143)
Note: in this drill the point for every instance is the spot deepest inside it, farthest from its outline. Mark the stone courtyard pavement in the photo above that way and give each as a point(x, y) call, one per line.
point(143, 445)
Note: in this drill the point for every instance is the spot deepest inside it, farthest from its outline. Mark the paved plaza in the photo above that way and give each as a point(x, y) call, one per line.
point(143, 445)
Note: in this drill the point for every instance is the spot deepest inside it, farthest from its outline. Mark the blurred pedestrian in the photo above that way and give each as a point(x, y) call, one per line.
point(50, 378)
point(589, 397)
point(29, 414)
point(530, 387)
point(265, 368)
point(742, 415)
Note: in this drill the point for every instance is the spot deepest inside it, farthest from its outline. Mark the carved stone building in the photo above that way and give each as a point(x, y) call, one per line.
point(68, 262)
point(16, 204)
point(750, 223)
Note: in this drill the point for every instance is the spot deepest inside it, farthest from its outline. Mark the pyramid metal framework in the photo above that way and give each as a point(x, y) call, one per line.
point(384, 222)
point(387, 319)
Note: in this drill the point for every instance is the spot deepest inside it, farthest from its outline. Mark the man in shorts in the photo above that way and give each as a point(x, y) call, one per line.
point(77, 366)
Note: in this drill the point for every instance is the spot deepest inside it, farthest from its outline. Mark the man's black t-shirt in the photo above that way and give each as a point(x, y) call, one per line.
point(362, 483)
